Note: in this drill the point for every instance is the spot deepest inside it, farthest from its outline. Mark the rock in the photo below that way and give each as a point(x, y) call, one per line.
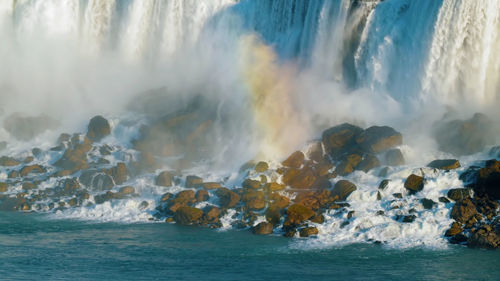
point(297, 214)
point(414, 183)
point(315, 152)
point(4, 187)
point(67, 187)
point(299, 179)
point(164, 179)
point(165, 197)
point(347, 165)
point(458, 194)
point(465, 137)
point(227, 198)
point(127, 190)
point(28, 186)
point(278, 201)
point(36, 152)
point(488, 180)
point(308, 231)
point(463, 211)
point(383, 184)
point(193, 181)
point(188, 215)
point(394, 157)
point(484, 237)
point(75, 159)
point(318, 218)
point(96, 181)
point(409, 218)
point(295, 160)
point(202, 195)
point(211, 185)
point(31, 169)
point(340, 139)
point(261, 167)
point(143, 206)
point(263, 228)
point(377, 139)
point(444, 164)
point(454, 230)
point(397, 195)
point(273, 215)
point(369, 162)
point(254, 200)
point(427, 203)
point(444, 200)
point(384, 172)
point(8, 161)
point(27, 127)
point(98, 128)
point(185, 197)
point(273, 186)
point(251, 184)
point(119, 173)
point(211, 214)
point(343, 189)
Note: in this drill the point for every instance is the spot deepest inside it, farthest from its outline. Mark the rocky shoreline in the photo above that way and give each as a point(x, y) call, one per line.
point(288, 198)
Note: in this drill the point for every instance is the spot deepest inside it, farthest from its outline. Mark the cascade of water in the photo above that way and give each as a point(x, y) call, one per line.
point(464, 62)
point(97, 24)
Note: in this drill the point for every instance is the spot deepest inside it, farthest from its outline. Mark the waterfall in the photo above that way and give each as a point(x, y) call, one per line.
point(464, 61)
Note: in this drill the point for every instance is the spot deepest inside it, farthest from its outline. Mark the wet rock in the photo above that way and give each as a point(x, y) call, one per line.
point(394, 157)
point(377, 139)
point(211, 214)
point(383, 184)
point(188, 215)
point(211, 185)
point(251, 184)
point(397, 195)
point(444, 200)
point(279, 201)
point(273, 186)
point(28, 186)
point(193, 181)
point(11, 203)
point(295, 160)
point(464, 137)
point(119, 173)
point(444, 164)
point(263, 228)
point(308, 231)
point(227, 198)
point(463, 211)
point(488, 180)
point(484, 237)
point(96, 180)
point(143, 206)
point(409, 218)
point(127, 190)
point(318, 218)
point(36, 152)
point(347, 165)
point(254, 200)
point(261, 167)
point(315, 152)
point(67, 187)
point(32, 169)
point(4, 187)
point(369, 162)
point(273, 215)
point(109, 195)
point(164, 179)
point(98, 128)
point(414, 183)
point(8, 161)
point(299, 179)
point(75, 159)
point(340, 139)
point(185, 197)
point(427, 203)
point(202, 195)
point(454, 230)
point(343, 189)
point(458, 194)
point(297, 214)
point(165, 197)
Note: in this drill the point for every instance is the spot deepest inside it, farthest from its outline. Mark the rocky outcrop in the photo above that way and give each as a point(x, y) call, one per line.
point(414, 183)
point(263, 228)
point(164, 179)
point(343, 189)
point(377, 139)
point(98, 128)
point(188, 215)
point(445, 164)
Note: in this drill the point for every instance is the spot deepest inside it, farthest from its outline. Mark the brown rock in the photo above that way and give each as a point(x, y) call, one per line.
point(8, 161)
point(227, 198)
point(347, 165)
point(28, 186)
point(164, 179)
point(484, 237)
point(127, 190)
point(211, 185)
point(454, 230)
point(261, 167)
point(295, 160)
point(343, 189)
point(273, 215)
point(414, 183)
point(339, 139)
point(308, 231)
point(31, 169)
point(315, 152)
point(4, 187)
point(251, 184)
point(297, 214)
point(377, 139)
point(458, 194)
point(13, 174)
point(463, 211)
point(263, 228)
point(279, 201)
point(185, 196)
point(300, 179)
point(369, 162)
point(165, 197)
point(187, 215)
point(211, 214)
point(273, 186)
point(488, 180)
point(119, 173)
point(202, 195)
point(444, 164)
point(193, 181)
point(98, 128)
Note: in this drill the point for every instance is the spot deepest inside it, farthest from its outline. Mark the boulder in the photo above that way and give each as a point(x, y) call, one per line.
point(369, 162)
point(484, 237)
point(463, 211)
point(188, 215)
point(383, 184)
point(4, 187)
point(347, 165)
point(273, 186)
point(164, 179)
point(98, 128)
point(488, 180)
point(127, 190)
point(193, 181)
point(254, 200)
point(394, 157)
point(251, 184)
point(297, 214)
point(263, 228)
point(465, 137)
point(31, 169)
point(202, 195)
point(444, 164)
point(96, 180)
point(67, 187)
point(8, 161)
point(340, 139)
point(342, 189)
point(308, 231)
point(211, 185)
point(273, 215)
point(299, 179)
point(28, 186)
point(75, 158)
point(119, 173)
point(458, 194)
point(278, 201)
point(295, 160)
point(211, 214)
point(414, 183)
point(315, 152)
point(261, 167)
point(454, 230)
point(427, 203)
point(227, 198)
point(377, 139)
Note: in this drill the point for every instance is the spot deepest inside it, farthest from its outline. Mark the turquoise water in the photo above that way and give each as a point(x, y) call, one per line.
point(33, 247)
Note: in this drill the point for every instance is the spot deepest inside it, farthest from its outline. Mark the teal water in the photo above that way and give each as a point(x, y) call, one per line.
point(33, 247)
